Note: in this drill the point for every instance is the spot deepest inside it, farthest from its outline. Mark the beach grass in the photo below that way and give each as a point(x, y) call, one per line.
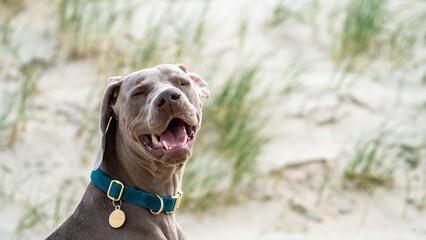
point(372, 164)
point(231, 139)
point(43, 214)
point(362, 25)
point(227, 152)
point(378, 155)
point(11, 10)
point(280, 13)
point(87, 27)
point(32, 216)
point(14, 111)
point(5, 112)
point(237, 117)
point(64, 202)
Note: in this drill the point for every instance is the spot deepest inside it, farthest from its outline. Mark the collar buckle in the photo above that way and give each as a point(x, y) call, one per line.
point(178, 198)
point(121, 191)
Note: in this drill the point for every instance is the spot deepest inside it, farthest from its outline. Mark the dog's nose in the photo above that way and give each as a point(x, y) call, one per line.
point(168, 96)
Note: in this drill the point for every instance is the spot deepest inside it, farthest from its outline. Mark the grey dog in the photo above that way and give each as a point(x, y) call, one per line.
point(148, 124)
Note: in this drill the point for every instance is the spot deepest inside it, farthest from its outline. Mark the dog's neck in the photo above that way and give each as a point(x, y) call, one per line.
point(125, 164)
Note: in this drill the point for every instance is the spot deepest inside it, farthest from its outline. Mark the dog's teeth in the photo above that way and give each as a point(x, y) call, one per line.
point(166, 146)
point(184, 128)
point(154, 140)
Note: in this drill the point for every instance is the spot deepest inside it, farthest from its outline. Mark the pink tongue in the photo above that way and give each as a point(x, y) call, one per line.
point(175, 136)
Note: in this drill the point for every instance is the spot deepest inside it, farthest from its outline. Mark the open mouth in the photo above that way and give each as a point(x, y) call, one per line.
point(177, 134)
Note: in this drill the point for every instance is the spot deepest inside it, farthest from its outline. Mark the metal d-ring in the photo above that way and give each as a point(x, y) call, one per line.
point(161, 208)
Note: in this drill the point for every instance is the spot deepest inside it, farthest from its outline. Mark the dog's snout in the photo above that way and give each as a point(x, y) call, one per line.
point(168, 96)
point(175, 96)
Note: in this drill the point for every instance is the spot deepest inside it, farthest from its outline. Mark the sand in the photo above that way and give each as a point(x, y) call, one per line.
point(314, 129)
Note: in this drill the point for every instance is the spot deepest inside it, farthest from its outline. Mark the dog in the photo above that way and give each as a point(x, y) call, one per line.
point(148, 123)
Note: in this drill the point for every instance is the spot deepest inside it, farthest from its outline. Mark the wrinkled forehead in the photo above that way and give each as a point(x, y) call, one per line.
point(161, 73)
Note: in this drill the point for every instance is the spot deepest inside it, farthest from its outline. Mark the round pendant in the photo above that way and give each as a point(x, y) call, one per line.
point(117, 218)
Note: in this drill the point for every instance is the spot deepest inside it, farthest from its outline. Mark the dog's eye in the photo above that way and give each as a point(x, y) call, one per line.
point(184, 82)
point(138, 94)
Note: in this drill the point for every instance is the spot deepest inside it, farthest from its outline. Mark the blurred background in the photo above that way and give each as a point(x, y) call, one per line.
point(315, 128)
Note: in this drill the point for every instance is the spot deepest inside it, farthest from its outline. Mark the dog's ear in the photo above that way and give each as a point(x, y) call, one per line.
point(108, 101)
point(181, 66)
point(199, 82)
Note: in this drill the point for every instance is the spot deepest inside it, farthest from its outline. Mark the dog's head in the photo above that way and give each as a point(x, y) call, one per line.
point(157, 111)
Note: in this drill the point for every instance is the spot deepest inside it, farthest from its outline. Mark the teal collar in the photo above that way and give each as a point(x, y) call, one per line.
point(116, 191)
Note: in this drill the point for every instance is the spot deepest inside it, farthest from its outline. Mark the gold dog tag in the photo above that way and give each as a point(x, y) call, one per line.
point(117, 218)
